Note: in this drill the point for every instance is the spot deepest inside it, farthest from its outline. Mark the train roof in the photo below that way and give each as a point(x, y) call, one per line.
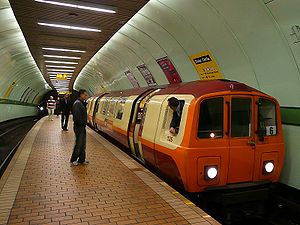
point(196, 88)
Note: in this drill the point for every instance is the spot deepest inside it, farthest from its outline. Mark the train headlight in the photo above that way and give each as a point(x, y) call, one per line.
point(41, 108)
point(268, 167)
point(211, 172)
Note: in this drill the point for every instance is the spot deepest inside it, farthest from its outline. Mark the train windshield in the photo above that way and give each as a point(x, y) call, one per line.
point(211, 118)
point(267, 121)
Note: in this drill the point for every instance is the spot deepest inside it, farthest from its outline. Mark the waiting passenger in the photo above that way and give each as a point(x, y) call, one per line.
point(65, 108)
point(177, 107)
point(80, 121)
point(51, 105)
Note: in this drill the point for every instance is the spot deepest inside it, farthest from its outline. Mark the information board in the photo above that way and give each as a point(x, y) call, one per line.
point(206, 66)
point(147, 75)
point(132, 79)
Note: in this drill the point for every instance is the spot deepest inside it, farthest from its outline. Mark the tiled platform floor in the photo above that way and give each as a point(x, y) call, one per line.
point(112, 189)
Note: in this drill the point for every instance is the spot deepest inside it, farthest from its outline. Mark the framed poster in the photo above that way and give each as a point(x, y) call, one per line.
point(171, 73)
point(132, 79)
point(147, 75)
point(206, 66)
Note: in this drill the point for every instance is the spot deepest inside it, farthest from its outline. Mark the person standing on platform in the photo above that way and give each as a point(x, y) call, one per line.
point(51, 105)
point(80, 122)
point(57, 108)
point(65, 108)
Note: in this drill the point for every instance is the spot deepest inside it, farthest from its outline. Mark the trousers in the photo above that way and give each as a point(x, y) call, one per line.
point(80, 144)
point(64, 121)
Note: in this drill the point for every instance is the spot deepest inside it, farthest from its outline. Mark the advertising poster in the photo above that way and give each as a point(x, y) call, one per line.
point(132, 79)
point(206, 66)
point(147, 75)
point(171, 73)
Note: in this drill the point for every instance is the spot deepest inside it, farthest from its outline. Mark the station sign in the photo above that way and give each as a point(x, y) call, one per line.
point(61, 76)
point(206, 66)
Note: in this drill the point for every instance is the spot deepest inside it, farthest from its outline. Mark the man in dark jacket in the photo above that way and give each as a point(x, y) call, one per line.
point(177, 107)
point(80, 121)
point(65, 108)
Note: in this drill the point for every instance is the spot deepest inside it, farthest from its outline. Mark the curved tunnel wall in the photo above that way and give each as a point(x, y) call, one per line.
point(21, 83)
point(251, 42)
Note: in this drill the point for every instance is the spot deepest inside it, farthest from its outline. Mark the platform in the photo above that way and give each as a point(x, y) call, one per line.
point(40, 187)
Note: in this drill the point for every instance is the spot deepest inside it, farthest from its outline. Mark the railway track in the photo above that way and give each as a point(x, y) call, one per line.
point(11, 135)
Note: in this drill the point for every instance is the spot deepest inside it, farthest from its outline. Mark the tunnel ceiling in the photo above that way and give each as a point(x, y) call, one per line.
point(20, 78)
point(256, 42)
point(38, 36)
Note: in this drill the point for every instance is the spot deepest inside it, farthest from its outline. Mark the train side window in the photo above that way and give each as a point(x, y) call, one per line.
point(241, 117)
point(111, 108)
point(211, 118)
point(120, 108)
point(105, 107)
point(267, 120)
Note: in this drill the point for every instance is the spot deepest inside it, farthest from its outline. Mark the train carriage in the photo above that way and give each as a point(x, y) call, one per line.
point(229, 133)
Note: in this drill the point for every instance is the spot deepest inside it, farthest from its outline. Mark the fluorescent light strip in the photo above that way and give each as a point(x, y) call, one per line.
point(63, 50)
point(59, 70)
point(65, 67)
point(61, 62)
point(61, 57)
point(77, 6)
point(68, 27)
point(59, 73)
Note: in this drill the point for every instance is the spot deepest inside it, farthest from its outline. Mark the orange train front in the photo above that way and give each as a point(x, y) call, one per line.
point(229, 133)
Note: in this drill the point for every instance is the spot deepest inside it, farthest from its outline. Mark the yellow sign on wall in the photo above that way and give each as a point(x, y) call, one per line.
point(206, 66)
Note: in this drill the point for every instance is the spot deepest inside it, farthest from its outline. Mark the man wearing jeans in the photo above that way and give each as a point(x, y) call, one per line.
point(80, 121)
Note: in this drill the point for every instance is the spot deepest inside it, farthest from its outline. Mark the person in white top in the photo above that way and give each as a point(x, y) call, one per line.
point(51, 105)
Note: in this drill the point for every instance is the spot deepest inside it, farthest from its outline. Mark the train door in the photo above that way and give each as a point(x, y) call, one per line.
point(241, 144)
point(135, 129)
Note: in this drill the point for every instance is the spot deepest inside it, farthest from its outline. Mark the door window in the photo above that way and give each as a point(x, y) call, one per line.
point(211, 118)
point(241, 117)
point(267, 122)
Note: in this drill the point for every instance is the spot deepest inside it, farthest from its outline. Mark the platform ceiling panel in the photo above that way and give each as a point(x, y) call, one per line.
point(20, 78)
point(32, 16)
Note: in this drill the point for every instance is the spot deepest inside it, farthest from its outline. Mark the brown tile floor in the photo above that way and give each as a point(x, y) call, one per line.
point(112, 189)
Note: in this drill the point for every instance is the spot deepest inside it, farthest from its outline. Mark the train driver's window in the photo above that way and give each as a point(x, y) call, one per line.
point(168, 118)
point(267, 117)
point(211, 118)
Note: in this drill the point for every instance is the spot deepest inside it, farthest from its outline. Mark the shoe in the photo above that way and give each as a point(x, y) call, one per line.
point(86, 162)
point(65, 129)
point(75, 163)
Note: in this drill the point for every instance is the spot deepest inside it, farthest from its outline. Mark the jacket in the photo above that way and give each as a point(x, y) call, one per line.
point(79, 113)
point(65, 108)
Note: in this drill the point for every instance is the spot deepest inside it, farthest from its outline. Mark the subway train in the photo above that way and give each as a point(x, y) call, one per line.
point(229, 134)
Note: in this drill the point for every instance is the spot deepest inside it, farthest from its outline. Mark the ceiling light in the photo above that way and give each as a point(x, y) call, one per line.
point(58, 73)
point(63, 50)
point(59, 70)
point(76, 4)
point(65, 67)
point(61, 57)
point(69, 27)
point(61, 62)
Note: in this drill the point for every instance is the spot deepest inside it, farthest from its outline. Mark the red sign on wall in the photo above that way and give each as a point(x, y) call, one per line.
point(169, 70)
